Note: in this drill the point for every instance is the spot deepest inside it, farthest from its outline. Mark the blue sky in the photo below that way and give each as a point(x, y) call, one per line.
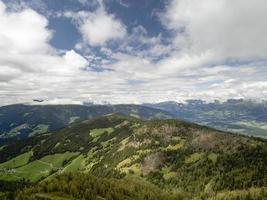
point(132, 51)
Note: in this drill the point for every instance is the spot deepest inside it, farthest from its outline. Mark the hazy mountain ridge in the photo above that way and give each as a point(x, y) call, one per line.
point(20, 121)
point(235, 115)
point(179, 156)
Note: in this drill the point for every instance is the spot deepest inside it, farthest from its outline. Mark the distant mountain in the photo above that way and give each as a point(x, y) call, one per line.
point(149, 160)
point(20, 121)
point(241, 116)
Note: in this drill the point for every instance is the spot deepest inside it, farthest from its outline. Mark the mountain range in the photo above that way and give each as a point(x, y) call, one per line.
point(20, 121)
point(123, 157)
point(236, 115)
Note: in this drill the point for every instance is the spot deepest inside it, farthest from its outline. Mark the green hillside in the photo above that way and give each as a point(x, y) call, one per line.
point(180, 159)
point(21, 121)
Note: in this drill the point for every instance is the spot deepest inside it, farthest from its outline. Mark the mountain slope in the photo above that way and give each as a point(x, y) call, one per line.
point(241, 116)
point(69, 186)
point(172, 154)
point(20, 121)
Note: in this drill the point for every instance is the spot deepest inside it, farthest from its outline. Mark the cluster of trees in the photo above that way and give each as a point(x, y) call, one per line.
point(85, 186)
point(234, 170)
point(251, 194)
point(81, 186)
point(8, 189)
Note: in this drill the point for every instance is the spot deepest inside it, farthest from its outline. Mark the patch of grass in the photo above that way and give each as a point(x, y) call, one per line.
point(90, 165)
point(125, 141)
point(122, 124)
point(167, 173)
point(57, 145)
point(91, 153)
point(41, 128)
point(176, 146)
point(76, 164)
point(18, 161)
point(2, 147)
point(176, 138)
point(108, 142)
point(38, 169)
point(194, 157)
point(9, 177)
point(135, 125)
point(57, 160)
point(99, 131)
point(73, 119)
point(213, 157)
point(144, 151)
point(25, 114)
point(105, 144)
point(34, 171)
point(135, 115)
point(127, 161)
point(15, 131)
point(135, 168)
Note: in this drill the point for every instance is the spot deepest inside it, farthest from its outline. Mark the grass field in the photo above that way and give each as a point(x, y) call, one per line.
point(41, 128)
point(176, 146)
point(36, 170)
point(75, 165)
point(99, 131)
point(18, 161)
point(194, 157)
point(57, 160)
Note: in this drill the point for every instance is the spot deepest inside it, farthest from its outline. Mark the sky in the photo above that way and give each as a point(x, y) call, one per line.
point(132, 51)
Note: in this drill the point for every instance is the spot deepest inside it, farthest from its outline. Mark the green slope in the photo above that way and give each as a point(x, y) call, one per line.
point(21, 121)
point(185, 158)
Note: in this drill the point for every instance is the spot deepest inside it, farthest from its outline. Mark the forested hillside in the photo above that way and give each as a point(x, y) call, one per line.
point(21, 121)
point(183, 159)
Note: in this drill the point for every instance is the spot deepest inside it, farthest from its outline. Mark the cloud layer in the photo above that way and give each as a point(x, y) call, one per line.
point(30, 67)
point(214, 50)
point(231, 29)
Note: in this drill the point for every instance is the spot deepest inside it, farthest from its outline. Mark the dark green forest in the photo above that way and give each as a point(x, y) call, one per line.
point(20, 121)
point(121, 157)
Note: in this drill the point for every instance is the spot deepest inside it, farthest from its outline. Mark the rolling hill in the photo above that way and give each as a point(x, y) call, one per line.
point(236, 115)
point(125, 156)
point(20, 121)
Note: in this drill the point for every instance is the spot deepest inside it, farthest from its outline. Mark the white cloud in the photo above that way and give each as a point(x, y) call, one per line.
point(29, 66)
point(99, 27)
point(231, 29)
point(23, 31)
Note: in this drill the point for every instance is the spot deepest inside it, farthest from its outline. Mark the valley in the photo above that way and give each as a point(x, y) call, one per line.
point(248, 117)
